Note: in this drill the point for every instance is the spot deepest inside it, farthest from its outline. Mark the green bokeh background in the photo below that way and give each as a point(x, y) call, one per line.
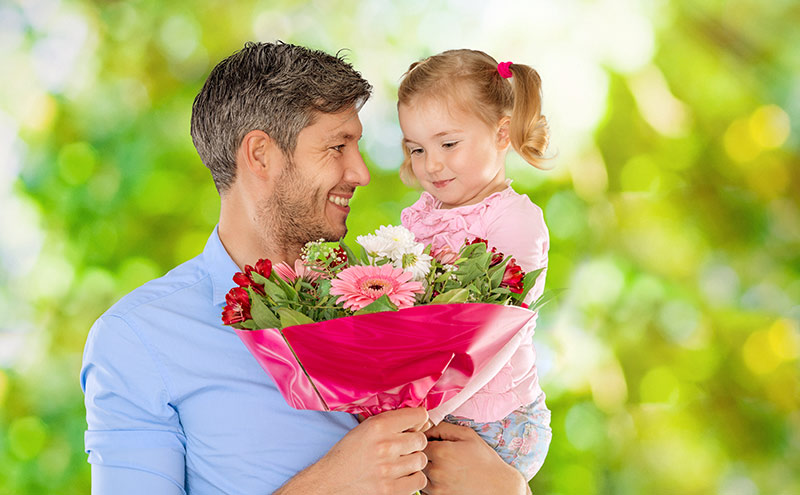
point(671, 361)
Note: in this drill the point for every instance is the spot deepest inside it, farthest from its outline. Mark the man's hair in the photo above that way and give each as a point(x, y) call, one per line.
point(277, 88)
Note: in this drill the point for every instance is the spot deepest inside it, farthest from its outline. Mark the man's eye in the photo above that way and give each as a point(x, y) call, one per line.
point(338, 148)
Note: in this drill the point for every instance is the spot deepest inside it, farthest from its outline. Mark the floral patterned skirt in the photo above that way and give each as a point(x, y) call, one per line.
point(522, 438)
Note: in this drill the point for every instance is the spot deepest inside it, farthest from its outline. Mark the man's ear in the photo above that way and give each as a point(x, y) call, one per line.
point(503, 133)
point(256, 152)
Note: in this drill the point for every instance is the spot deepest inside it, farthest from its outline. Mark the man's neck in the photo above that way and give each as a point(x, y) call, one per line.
point(246, 242)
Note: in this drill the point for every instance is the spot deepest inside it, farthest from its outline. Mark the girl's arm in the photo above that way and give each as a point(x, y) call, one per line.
point(516, 228)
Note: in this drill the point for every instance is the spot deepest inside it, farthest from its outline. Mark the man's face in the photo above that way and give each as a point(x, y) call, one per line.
point(311, 196)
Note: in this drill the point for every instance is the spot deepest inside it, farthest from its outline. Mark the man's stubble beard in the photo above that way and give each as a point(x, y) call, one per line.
point(293, 215)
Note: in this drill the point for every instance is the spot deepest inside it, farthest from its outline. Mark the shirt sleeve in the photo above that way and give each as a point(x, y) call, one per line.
point(518, 230)
point(134, 439)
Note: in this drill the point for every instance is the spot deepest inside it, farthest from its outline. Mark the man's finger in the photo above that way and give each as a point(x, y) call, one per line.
point(405, 419)
point(413, 441)
point(410, 464)
point(411, 483)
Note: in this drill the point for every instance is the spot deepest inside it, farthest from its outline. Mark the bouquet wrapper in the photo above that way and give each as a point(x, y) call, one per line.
point(367, 364)
point(484, 375)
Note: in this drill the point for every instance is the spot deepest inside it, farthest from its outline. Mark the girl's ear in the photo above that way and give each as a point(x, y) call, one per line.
point(255, 152)
point(503, 133)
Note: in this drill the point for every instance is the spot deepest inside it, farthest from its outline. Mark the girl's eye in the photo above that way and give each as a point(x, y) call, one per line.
point(414, 151)
point(449, 145)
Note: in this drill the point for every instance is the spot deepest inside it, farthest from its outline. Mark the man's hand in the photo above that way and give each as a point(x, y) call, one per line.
point(382, 455)
point(459, 461)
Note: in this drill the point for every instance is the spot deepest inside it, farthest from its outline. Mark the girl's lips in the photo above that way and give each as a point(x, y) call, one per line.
point(441, 183)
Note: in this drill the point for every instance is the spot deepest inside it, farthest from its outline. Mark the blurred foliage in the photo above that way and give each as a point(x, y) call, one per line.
point(670, 364)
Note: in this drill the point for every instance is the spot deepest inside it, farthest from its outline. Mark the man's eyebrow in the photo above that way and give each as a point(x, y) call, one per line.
point(344, 135)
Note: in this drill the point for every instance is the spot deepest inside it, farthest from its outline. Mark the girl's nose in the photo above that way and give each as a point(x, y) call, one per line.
point(433, 164)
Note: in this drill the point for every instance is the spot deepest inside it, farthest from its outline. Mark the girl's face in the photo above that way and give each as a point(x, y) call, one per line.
point(455, 156)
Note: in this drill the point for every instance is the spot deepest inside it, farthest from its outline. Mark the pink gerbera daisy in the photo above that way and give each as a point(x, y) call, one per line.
point(358, 286)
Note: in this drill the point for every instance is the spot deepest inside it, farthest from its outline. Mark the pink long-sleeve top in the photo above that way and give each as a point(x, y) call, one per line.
point(510, 222)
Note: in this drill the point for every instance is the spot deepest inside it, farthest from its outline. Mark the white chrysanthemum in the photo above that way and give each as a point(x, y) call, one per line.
point(415, 261)
point(376, 247)
point(399, 238)
point(389, 242)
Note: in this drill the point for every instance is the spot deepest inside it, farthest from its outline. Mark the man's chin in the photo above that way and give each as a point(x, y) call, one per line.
point(330, 234)
point(338, 234)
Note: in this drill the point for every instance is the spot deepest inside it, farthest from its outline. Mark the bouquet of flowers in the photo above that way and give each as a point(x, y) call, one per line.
point(386, 326)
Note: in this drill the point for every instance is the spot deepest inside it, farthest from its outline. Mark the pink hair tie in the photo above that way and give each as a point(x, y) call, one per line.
point(504, 68)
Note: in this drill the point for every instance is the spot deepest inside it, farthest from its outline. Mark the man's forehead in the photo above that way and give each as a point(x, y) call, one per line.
point(342, 124)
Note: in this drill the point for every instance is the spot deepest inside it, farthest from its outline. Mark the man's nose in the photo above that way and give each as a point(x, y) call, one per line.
point(357, 172)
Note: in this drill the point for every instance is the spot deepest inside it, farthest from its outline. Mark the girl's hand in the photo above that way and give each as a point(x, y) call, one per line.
point(459, 461)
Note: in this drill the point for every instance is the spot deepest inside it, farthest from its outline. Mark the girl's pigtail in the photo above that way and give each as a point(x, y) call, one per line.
point(529, 131)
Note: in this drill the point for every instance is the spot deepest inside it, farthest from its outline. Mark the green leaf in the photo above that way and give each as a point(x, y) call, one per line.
point(501, 290)
point(528, 282)
point(323, 287)
point(257, 277)
point(262, 315)
point(380, 304)
point(290, 317)
point(248, 325)
point(545, 298)
point(496, 273)
point(352, 257)
point(274, 292)
point(470, 270)
point(443, 277)
point(289, 293)
point(473, 250)
point(452, 296)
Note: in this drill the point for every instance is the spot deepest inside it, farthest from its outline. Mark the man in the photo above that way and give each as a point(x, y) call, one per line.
point(174, 402)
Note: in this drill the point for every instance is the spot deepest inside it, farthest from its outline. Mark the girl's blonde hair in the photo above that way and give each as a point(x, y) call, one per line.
point(469, 80)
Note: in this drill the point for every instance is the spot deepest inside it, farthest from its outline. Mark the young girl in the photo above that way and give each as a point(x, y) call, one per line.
point(459, 111)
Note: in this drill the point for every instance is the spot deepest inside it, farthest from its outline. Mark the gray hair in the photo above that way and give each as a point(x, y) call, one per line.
point(277, 88)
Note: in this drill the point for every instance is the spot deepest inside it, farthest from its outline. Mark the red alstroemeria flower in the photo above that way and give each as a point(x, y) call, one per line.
point(238, 308)
point(263, 267)
point(513, 277)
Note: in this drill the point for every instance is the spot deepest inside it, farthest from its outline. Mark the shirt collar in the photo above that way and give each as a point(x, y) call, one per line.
point(220, 267)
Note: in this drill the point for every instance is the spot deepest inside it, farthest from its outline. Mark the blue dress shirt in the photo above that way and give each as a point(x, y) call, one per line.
point(175, 404)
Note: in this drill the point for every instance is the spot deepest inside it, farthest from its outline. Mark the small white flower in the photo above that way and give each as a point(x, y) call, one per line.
point(415, 261)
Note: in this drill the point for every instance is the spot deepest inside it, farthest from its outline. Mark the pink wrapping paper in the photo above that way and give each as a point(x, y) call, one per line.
point(367, 364)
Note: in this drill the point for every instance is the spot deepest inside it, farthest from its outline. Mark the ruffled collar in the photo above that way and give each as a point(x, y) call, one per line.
point(437, 226)
point(431, 208)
